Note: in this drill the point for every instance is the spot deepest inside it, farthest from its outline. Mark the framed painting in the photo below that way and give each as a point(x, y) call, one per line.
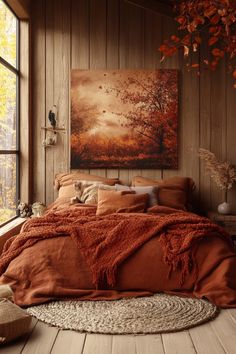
point(124, 119)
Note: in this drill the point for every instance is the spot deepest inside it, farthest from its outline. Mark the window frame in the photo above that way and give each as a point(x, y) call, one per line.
point(16, 71)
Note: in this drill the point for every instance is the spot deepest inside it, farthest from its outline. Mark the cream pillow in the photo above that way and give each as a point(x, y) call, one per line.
point(87, 191)
point(6, 292)
point(150, 190)
point(14, 322)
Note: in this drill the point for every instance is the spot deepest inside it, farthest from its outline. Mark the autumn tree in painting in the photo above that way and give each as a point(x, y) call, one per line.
point(153, 107)
point(124, 119)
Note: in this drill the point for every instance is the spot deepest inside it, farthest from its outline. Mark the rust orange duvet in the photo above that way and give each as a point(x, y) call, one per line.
point(70, 253)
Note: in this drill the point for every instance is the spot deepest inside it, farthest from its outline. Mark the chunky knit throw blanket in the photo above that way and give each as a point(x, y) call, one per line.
point(107, 241)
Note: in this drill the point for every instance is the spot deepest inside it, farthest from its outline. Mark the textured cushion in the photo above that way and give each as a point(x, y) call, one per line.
point(14, 322)
point(150, 190)
point(6, 292)
point(67, 179)
point(70, 191)
point(174, 192)
point(64, 182)
point(121, 202)
point(66, 191)
point(87, 191)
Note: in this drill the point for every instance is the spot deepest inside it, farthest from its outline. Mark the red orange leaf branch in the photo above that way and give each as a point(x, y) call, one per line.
point(209, 21)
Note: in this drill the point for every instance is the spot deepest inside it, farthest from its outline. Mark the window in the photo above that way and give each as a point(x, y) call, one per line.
point(9, 113)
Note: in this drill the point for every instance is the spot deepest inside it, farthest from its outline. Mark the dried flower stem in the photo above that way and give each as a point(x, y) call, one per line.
point(223, 173)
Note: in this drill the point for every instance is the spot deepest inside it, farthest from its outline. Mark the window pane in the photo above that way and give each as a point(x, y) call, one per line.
point(7, 187)
point(8, 23)
point(7, 109)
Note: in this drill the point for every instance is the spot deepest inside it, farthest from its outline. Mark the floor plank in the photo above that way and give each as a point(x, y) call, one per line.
point(149, 344)
point(41, 339)
point(97, 344)
point(225, 329)
point(123, 344)
point(217, 336)
point(178, 343)
point(17, 346)
point(69, 342)
point(232, 313)
point(204, 338)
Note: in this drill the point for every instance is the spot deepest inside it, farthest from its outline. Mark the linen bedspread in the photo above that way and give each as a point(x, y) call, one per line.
point(71, 253)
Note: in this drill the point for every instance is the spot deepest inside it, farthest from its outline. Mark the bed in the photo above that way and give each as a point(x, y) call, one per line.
point(73, 252)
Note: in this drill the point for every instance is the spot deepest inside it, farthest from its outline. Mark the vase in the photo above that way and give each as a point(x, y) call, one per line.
point(224, 208)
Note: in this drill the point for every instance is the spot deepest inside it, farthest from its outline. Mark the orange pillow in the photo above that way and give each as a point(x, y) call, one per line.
point(121, 202)
point(174, 192)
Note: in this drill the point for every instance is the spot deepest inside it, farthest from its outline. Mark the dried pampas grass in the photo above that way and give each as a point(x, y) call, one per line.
point(223, 173)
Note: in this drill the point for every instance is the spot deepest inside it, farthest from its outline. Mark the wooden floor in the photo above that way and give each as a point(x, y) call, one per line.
point(215, 337)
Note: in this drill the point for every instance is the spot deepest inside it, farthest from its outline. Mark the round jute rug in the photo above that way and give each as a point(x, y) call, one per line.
point(155, 314)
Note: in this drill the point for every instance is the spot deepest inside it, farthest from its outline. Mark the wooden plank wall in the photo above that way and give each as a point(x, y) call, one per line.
point(113, 34)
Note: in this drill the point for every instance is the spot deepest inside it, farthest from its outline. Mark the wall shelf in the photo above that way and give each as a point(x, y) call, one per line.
point(51, 138)
point(54, 130)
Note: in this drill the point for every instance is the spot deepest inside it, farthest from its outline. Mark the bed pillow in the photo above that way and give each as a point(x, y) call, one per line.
point(150, 190)
point(120, 202)
point(14, 322)
point(65, 179)
point(174, 192)
point(64, 182)
point(6, 292)
point(87, 191)
point(66, 191)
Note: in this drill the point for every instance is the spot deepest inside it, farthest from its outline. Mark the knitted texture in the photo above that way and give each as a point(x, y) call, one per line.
point(107, 241)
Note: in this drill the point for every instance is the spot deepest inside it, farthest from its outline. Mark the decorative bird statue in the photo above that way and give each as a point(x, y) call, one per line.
point(52, 117)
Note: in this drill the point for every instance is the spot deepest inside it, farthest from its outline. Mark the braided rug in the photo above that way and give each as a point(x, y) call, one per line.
point(155, 314)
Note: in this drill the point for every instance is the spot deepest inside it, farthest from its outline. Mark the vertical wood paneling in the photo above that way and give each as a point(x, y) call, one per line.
point(218, 126)
point(132, 52)
point(135, 50)
point(205, 130)
point(152, 40)
point(98, 29)
point(62, 81)
point(49, 98)
point(168, 28)
point(98, 32)
point(80, 34)
point(189, 128)
point(188, 123)
point(112, 59)
point(123, 54)
point(39, 85)
point(231, 133)
point(113, 34)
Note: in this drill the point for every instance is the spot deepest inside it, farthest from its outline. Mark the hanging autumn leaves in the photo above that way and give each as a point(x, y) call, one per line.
point(213, 21)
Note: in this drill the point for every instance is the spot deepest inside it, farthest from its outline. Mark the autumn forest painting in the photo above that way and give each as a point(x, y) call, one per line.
point(124, 119)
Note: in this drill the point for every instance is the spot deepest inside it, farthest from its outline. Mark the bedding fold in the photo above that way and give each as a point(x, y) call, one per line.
point(119, 255)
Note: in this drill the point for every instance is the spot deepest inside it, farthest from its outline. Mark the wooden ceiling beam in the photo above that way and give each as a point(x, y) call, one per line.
point(20, 7)
point(153, 5)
